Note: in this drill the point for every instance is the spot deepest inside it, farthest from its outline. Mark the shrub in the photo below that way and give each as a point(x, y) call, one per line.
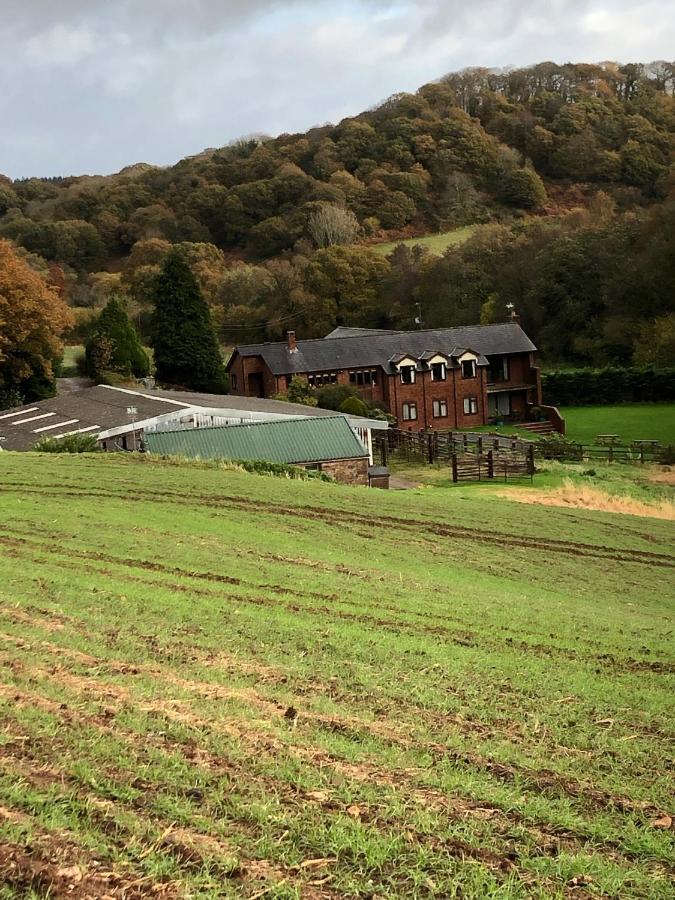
point(71, 443)
point(354, 406)
point(332, 396)
point(299, 391)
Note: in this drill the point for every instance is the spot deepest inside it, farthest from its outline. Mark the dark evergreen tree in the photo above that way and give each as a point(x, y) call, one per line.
point(183, 337)
point(114, 345)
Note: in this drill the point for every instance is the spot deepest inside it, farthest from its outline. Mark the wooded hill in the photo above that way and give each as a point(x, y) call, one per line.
point(566, 171)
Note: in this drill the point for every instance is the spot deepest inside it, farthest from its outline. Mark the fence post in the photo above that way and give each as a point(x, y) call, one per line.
point(454, 468)
point(480, 445)
point(610, 455)
point(385, 453)
point(490, 462)
point(430, 447)
point(530, 460)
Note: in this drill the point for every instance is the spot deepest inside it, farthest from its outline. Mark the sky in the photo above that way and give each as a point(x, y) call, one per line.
point(91, 86)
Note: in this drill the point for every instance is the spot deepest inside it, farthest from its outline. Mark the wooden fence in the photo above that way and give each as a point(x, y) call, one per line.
point(494, 465)
point(435, 446)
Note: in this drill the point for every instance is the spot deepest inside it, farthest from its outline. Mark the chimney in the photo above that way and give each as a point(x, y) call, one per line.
point(513, 315)
point(290, 342)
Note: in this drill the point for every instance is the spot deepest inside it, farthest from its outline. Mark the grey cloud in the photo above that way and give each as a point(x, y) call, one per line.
point(93, 86)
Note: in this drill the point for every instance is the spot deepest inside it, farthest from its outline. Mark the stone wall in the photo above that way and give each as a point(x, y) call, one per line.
point(347, 471)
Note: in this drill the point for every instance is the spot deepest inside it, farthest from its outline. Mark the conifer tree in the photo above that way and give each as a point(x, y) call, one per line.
point(184, 338)
point(114, 345)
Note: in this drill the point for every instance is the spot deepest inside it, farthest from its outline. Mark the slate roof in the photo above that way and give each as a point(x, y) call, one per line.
point(99, 409)
point(245, 404)
point(289, 441)
point(91, 411)
point(376, 348)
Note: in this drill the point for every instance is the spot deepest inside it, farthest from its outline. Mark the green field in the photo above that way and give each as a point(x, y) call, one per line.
point(71, 354)
point(437, 243)
point(631, 421)
point(483, 689)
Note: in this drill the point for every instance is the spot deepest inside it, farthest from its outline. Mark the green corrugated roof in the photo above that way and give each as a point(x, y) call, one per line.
point(299, 440)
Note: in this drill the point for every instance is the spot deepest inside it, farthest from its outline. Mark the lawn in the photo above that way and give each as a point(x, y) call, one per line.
point(217, 684)
point(436, 243)
point(71, 354)
point(631, 421)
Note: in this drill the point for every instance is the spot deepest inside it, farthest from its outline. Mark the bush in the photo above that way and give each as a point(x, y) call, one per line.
point(332, 396)
point(613, 384)
point(299, 391)
point(71, 443)
point(354, 406)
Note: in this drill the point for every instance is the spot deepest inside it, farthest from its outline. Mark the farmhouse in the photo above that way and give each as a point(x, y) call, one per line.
point(443, 378)
point(326, 444)
point(118, 417)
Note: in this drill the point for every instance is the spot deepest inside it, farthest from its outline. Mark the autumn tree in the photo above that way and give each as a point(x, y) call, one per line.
point(183, 336)
point(33, 318)
point(332, 224)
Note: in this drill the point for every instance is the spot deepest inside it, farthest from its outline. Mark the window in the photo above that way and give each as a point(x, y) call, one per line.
point(438, 372)
point(407, 374)
point(499, 369)
point(409, 412)
point(468, 368)
point(361, 378)
point(440, 408)
point(470, 406)
point(233, 381)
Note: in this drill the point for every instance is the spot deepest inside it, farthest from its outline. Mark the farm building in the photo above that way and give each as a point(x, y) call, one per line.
point(327, 444)
point(118, 417)
point(442, 378)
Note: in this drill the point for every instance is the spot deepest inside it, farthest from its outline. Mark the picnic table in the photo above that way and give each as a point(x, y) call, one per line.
point(607, 439)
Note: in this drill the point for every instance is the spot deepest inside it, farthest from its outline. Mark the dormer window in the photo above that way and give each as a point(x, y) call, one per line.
point(468, 368)
point(407, 374)
point(438, 371)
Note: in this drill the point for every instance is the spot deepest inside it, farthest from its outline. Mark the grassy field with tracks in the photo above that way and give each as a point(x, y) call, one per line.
point(217, 684)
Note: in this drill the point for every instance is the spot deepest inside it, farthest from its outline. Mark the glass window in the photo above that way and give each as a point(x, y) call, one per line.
point(440, 408)
point(233, 381)
point(407, 374)
point(374, 376)
point(470, 406)
point(468, 368)
point(352, 377)
point(438, 372)
point(409, 412)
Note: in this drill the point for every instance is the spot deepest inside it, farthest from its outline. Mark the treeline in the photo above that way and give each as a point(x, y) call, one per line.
point(613, 384)
point(464, 149)
point(592, 287)
point(564, 169)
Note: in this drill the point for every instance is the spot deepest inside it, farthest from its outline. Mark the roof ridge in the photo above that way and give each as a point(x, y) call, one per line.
point(251, 424)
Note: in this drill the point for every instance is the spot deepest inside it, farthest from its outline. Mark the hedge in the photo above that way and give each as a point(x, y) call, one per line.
point(587, 387)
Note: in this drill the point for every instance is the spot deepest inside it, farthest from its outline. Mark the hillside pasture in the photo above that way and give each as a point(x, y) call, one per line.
point(436, 243)
point(217, 684)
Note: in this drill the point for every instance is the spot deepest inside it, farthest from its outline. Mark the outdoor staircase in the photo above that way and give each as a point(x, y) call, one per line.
point(541, 428)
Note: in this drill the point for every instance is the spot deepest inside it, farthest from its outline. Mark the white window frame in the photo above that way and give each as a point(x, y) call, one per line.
point(439, 405)
point(469, 362)
point(411, 370)
point(408, 408)
point(470, 406)
point(444, 371)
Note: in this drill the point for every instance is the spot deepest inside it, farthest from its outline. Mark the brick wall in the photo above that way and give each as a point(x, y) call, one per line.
point(348, 471)
point(242, 368)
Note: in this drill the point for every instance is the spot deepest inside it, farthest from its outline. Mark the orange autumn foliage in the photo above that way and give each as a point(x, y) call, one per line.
point(33, 317)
